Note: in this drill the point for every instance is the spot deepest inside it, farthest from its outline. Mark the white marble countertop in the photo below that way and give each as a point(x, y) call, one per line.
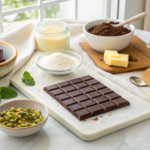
point(55, 136)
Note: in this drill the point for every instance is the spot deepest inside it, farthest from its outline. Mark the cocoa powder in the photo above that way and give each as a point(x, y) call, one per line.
point(106, 29)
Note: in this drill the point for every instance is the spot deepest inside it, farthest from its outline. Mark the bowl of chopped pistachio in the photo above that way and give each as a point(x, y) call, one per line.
point(21, 118)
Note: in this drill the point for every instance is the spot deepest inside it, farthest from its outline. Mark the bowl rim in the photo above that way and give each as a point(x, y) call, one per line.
point(59, 71)
point(29, 126)
point(85, 31)
point(13, 57)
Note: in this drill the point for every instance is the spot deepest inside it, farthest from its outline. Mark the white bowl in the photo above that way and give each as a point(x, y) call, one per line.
point(21, 132)
point(102, 43)
point(10, 55)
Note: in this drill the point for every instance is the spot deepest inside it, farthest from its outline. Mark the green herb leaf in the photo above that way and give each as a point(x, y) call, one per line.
point(7, 93)
point(0, 95)
point(28, 79)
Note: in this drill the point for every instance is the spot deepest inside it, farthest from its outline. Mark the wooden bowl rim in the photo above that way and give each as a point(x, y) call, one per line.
point(12, 58)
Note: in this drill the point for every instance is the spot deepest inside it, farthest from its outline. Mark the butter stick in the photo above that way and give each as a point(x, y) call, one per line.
point(122, 61)
point(110, 53)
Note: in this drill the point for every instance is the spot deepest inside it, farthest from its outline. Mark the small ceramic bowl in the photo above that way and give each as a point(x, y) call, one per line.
point(26, 131)
point(60, 72)
point(102, 43)
point(10, 55)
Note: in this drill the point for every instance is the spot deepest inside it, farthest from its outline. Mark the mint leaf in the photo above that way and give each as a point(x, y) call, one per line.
point(0, 95)
point(28, 82)
point(28, 79)
point(27, 76)
point(7, 93)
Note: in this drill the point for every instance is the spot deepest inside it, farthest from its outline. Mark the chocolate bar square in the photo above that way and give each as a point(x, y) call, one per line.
point(69, 88)
point(87, 90)
point(105, 91)
point(99, 86)
point(88, 103)
point(92, 82)
point(63, 84)
point(81, 98)
point(100, 99)
point(69, 102)
point(93, 94)
point(80, 85)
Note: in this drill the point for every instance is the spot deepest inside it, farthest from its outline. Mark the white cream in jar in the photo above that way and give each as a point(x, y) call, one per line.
point(52, 36)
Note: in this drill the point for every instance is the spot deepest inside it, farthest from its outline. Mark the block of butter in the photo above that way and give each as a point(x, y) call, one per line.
point(122, 61)
point(110, 53)
point(114, 54)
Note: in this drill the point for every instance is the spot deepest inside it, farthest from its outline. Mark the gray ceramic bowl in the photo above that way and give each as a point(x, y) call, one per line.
point(21, 132)
point(10, 55)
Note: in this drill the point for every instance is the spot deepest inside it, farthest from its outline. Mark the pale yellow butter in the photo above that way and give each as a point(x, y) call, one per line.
point(110, 53)
point(122, 61)
point(53, 28)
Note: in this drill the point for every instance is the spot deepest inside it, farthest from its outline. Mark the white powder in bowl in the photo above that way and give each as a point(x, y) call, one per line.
point(58, 61)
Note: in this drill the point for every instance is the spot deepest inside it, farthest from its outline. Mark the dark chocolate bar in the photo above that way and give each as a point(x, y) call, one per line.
point(85, 97)
point(1, 53)
point(2, 60)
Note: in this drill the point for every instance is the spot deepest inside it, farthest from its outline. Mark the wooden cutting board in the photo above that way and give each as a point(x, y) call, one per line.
point(139, 56)
point(146, 76)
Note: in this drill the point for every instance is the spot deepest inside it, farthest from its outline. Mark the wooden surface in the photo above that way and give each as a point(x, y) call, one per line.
point(138, 52)
point(146, 76)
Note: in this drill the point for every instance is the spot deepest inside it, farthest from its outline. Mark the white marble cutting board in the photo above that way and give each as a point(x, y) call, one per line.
point(90, 129)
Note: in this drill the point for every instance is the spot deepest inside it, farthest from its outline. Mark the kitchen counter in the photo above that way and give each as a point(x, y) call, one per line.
point(55, 136)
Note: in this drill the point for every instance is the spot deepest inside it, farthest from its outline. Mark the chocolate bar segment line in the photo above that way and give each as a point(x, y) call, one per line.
point(92, 99)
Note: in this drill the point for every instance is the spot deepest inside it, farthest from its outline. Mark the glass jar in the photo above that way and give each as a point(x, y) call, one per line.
point(52, 35)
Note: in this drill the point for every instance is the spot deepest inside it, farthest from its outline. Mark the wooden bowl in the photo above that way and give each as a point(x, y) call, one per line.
point(10, 55)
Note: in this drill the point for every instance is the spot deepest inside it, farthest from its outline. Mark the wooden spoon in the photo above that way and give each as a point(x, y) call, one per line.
point(146, 76)
point(137, 17)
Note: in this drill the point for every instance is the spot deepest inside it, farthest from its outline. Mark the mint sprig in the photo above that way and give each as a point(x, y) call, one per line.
point(28, 79)
point(0, 95)
point(7, 93)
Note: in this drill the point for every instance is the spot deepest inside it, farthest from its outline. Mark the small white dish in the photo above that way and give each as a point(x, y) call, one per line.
point(10, 55)
point(102, 43)
point(26, 131)
point(60, 72)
